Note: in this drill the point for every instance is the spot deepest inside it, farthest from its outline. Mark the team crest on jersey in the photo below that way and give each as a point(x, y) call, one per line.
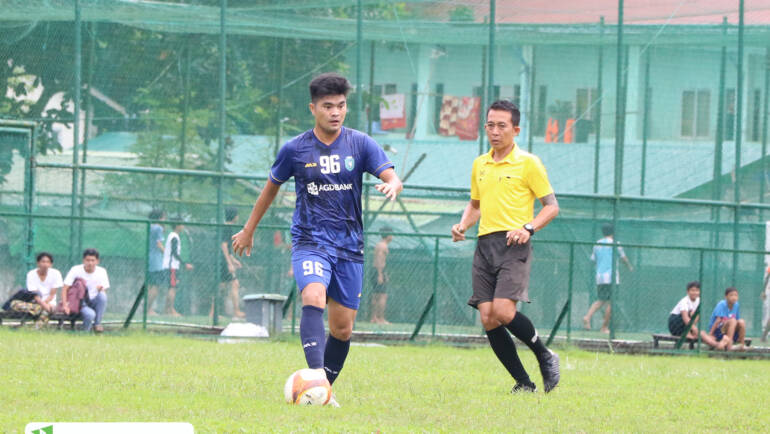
point(350, 163)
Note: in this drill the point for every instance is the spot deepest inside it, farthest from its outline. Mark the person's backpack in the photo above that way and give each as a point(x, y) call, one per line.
point(75, 294)
point(22, 295)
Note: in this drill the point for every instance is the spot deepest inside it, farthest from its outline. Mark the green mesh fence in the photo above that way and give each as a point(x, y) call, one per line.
point(652, 117)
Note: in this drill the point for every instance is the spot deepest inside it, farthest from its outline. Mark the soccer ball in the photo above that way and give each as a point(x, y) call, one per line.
point(308, 387)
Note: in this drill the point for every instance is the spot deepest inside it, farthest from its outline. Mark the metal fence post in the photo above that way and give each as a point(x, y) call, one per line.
point(435, 285)
point(75, 132)
point(145, 288)
point(700, 279)
point(570, 283)
point(599, 106)
point(738, 141)
point(221, 150)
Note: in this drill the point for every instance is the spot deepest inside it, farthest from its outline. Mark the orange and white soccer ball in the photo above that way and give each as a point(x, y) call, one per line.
point(308, 387)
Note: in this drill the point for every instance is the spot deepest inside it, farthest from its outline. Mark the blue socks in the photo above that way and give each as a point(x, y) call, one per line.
point(334, 357)
point(312, 334)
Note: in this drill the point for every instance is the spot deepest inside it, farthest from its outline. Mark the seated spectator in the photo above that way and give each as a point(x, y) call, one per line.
point(726, 326)
point(95, 277)
point(683, 312)
point(45, 280)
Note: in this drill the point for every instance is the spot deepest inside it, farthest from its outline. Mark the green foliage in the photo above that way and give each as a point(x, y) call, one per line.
point(461, 13)
point(239, 387)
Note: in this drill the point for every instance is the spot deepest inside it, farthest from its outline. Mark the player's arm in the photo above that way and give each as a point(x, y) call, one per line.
point(548, 212)
point(685, 316)
point(391, 185)
point(470, 216)
point(244, 240)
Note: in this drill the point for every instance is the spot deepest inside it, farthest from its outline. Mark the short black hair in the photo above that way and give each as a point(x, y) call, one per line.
point(231, 213)
point(386, 231)
point(91, 252)
point(156, 214)
point(693, 284)
point(42, 255)
point(507, 106)
point(608, 229)
point(729, 290)
point(329, 83)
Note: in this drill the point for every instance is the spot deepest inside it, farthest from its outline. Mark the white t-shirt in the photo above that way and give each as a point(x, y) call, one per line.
point(44, 287)
point(169, 261)
point(686, 305)
point(93, 280)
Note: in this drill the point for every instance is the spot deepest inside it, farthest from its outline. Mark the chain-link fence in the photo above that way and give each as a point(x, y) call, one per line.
point(650, 117)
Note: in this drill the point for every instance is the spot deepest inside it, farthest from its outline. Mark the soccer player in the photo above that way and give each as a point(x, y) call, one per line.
point(504, 185)
point(327, 163)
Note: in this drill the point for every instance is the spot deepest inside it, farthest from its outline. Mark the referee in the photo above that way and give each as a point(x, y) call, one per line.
point(504, 185)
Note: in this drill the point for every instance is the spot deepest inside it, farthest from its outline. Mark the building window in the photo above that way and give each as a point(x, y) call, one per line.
point(756, 98)
point(542, 93)
point(438, 101)
point(729, 120)
point(585, 104)
point(695, 113)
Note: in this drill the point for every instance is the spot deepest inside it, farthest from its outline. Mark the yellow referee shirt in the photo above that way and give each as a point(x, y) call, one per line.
point(507, 189)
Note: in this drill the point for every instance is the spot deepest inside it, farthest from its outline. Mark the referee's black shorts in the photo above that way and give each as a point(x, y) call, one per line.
point(500, 271)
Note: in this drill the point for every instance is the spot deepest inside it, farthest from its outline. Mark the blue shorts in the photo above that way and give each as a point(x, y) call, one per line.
point(343, 279)
point(718, 335)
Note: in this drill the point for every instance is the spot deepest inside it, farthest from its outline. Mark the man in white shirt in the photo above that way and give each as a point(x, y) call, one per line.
point(683, 311)
point(93, 306)
point(46, 280)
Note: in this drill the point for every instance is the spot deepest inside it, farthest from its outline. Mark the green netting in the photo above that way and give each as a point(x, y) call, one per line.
point(657, 135)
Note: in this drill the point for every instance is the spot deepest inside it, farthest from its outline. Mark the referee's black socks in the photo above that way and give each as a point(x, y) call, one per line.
point(505, 350)
point(522, 328)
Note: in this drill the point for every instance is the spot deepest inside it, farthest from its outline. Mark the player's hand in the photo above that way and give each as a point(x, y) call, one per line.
point(380, 280)
point(231, 268)
point(242, 241)
point(66, 309)
point(188, 266)
point(237, 264)
point(390, 191)
point(762, 295)
point(517, 236)
point(458, 233)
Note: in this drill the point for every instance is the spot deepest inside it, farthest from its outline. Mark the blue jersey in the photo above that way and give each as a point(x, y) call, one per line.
point(328, 181)
point(722, 312)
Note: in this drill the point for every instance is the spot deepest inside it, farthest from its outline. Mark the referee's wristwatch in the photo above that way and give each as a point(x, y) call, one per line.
point(529, 228)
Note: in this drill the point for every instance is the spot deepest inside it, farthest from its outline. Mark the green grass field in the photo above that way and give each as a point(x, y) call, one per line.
point(65, 377)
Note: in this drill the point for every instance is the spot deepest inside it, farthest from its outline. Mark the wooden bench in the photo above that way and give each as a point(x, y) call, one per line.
point(58, 318)
point(656, 338)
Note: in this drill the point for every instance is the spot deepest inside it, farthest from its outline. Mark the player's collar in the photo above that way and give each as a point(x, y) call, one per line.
point(324, 145)
point(510, 158)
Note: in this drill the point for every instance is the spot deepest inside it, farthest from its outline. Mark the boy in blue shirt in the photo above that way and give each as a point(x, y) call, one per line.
point(327, 163)
point(726, 326)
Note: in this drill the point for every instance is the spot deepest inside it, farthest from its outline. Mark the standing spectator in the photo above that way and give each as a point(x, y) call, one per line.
point(230, 264)
point(156, 275)
point(726, 326)
point(46, 280)
point(380, 277)
point(172, 260)
point(602, 256)
point(683, 312)
point(97, 282)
